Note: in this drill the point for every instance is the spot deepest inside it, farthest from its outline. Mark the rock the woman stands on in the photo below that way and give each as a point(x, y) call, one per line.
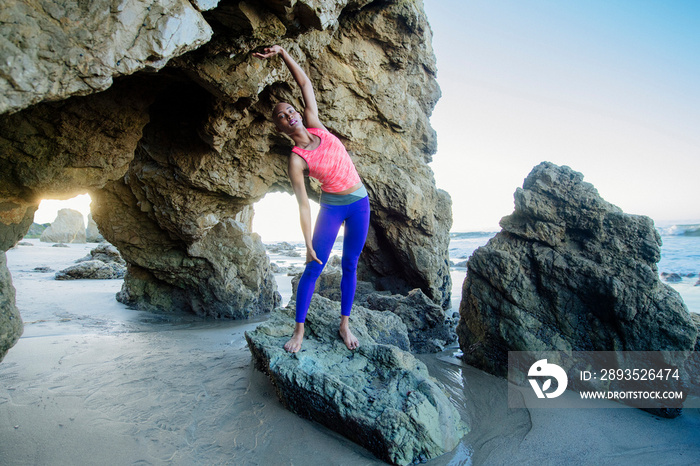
point(344, 199)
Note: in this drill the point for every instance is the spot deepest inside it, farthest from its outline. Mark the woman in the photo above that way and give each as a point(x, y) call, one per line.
point(343, 200)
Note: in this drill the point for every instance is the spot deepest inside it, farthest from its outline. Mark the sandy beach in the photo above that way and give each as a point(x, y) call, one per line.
point(93, 382)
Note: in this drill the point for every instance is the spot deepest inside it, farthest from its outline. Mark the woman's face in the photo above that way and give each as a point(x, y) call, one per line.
point(286, 118)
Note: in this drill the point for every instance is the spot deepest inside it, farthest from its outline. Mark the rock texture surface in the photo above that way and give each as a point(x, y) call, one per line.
point(69, 227)
point(172, 156)
point(569, 271)
point(92, 233)
point(11, 326)
point(378, 395)
point(53, 50)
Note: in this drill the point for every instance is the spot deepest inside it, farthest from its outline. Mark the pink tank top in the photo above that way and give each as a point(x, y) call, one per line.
point(329, 163)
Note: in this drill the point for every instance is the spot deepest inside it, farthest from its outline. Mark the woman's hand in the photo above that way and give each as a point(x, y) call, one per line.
point(311, 256)
point(307, 90)
point(269, 52)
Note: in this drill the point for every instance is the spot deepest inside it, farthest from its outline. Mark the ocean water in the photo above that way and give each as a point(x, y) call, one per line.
point(680, 254)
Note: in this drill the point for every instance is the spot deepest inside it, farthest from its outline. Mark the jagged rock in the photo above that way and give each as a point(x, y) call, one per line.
point(378, 395)
point(428, 328)
point(106, 253)
point(226, 273)
point(11, 326)
point(170, 154)
point(69, 227)
point(92, 269)
point(569, 271)
point(92, 233)
point(15, 218)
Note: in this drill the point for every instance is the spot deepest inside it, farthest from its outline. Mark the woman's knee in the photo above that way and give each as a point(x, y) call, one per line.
point(349, 264)
point(312, 271)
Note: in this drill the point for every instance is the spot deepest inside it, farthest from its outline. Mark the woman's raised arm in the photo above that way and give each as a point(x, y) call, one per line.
point(302, 80)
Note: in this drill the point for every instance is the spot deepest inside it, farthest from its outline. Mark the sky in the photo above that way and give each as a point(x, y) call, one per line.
point(610, 88)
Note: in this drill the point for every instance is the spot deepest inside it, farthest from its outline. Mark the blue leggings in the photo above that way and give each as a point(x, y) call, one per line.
point(330, 218)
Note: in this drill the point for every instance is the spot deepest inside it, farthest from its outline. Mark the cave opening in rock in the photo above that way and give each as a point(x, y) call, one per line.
point(48, 208)
point(277, 218)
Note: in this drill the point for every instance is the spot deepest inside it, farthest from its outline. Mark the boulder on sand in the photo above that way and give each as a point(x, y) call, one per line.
point(92, 269)
point(104, 252)
point(379, 395)
point(69, 227)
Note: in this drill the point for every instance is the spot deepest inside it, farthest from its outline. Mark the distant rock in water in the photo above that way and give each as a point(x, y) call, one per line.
point(69, 227)
point(379, 396)
point(569, 271)
point(671, 277)
point(284, 249)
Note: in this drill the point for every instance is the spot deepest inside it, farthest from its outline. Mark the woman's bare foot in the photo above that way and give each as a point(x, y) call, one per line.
point(294, 343)
point(350, 340)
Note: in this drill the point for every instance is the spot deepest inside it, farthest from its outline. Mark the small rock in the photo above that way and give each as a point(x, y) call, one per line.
point(106, 253)
point(92, 269)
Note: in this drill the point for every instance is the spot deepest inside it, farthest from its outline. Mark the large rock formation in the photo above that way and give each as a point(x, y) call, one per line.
point(568, 272)
point(378, 395)
point(172, 138)
point(68, 227)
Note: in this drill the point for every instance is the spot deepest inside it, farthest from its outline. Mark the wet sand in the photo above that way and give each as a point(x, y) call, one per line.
point(92, 382)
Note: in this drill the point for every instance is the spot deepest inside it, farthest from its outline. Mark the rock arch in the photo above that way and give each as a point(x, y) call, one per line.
point(178, 146)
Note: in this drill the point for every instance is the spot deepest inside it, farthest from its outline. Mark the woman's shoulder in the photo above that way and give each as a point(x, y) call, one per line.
point(318, 131)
